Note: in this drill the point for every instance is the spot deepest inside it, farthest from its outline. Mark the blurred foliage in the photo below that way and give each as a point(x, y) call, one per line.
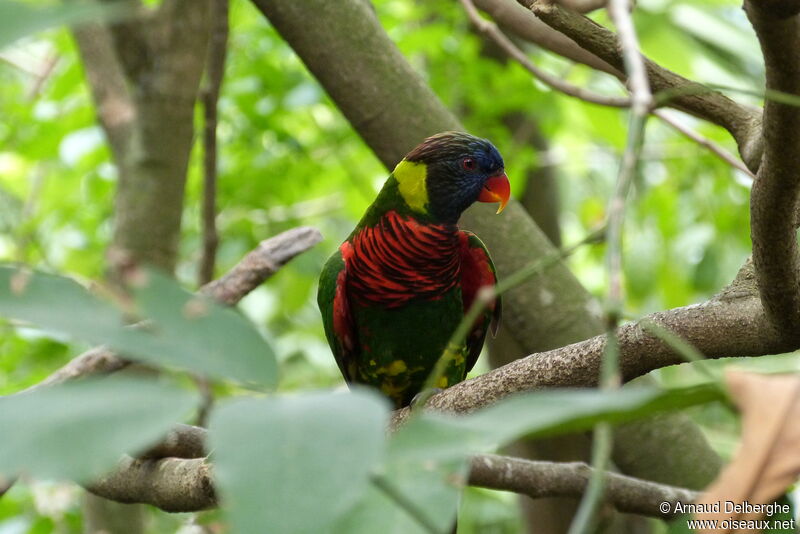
point(287, 157)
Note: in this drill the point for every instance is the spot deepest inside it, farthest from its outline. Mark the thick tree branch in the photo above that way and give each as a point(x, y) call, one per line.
point(172, 484)
point(773, 202)
point(742, 122)
point(548, 479)
point(158, 54)
point(175, 477)
point(732, 324)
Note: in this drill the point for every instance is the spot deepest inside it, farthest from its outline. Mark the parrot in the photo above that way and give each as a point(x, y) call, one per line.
point(392, 295)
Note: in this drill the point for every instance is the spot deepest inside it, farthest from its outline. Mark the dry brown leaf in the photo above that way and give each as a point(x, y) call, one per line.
point(768, 459)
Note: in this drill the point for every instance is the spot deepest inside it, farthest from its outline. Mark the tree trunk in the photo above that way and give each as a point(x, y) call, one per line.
point(144, 74)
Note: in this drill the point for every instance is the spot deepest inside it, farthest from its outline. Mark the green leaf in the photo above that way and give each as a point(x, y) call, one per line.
point(18, 19)
point(426, 460)
point(295, 463)
point(78, 430)
point(197, 333)
point(183, 329)
point(539, 414)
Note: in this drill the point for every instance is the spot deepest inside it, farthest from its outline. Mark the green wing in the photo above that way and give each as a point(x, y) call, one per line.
point(337, 317)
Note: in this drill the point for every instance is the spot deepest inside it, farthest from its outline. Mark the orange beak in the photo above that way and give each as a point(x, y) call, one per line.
point(496, 189)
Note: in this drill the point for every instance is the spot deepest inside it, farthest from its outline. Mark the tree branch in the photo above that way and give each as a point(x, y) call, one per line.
point(720, 152)
point(773, 201)
point(731, 324)
point(517, 20)
point(215, 69)
point(742, 122)
point(176, 478)
point(260, 264)
point(538, 479)
point(491, 30)
point(172, 484)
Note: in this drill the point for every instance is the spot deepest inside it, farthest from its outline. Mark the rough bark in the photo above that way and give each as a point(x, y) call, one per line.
point(548, 479)
point(773, 202)
point(152, 73)
point(171, 484)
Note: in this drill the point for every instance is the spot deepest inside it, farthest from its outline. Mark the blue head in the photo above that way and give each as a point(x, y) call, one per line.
point(459, 170)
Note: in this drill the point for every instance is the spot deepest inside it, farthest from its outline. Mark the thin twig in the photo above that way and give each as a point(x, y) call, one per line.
point(42, 77)
point(516, 20)
point(491, 30)
point(723, 154)
point(411, 508)
point(215, 69)
point(641, 104)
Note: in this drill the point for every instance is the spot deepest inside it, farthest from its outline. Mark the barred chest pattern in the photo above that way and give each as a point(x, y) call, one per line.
point(399, 260)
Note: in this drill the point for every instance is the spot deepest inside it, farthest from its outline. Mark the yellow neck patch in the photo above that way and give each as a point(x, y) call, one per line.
point(410, 177)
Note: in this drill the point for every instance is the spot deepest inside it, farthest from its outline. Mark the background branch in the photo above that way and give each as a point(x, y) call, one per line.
point(215, 69)
point(106, 80)
point(491, 30)
point(548, 479)
point(742, 122)
point(517, 20)
point(184, 483)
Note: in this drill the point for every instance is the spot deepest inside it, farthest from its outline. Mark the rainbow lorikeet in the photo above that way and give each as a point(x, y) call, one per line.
point(394, 292)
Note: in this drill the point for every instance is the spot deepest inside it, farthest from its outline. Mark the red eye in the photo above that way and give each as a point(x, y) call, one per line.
point(468, 164)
